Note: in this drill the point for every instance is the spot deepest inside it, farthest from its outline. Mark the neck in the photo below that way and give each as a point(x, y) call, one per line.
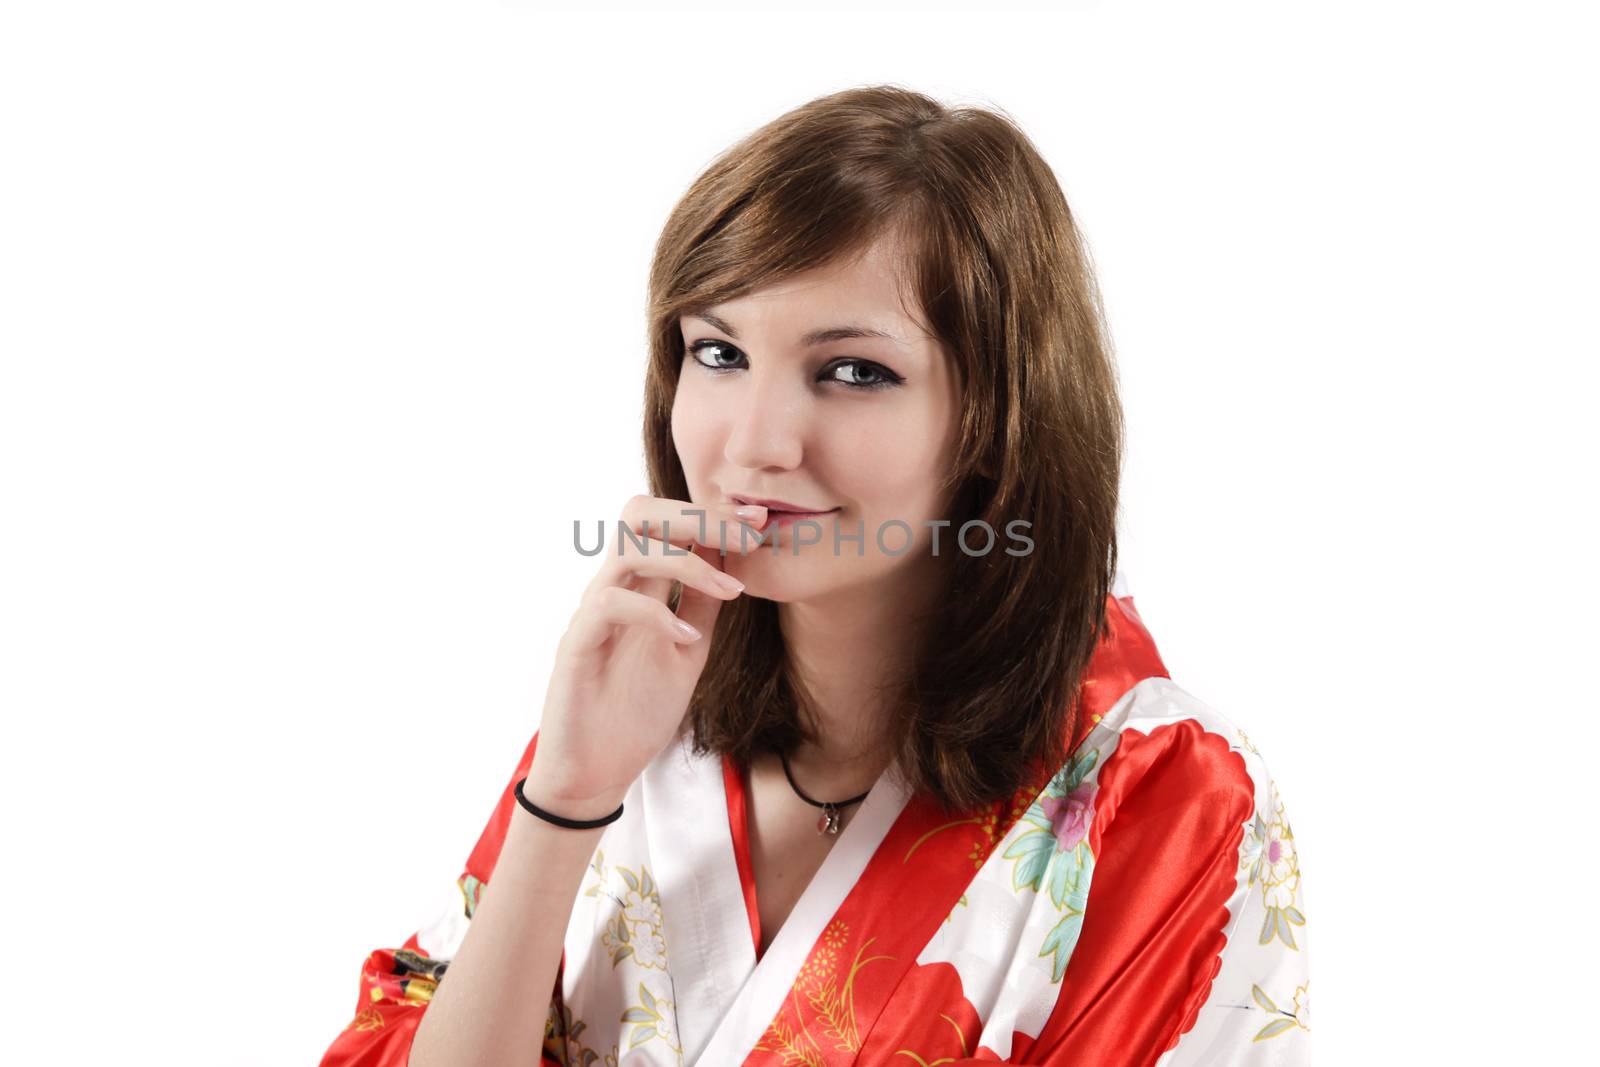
point(847, 650)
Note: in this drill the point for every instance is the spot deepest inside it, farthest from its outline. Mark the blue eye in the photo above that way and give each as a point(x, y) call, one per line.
point(878, 376)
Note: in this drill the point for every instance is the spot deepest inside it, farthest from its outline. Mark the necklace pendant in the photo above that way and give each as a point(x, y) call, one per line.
point(829, 822)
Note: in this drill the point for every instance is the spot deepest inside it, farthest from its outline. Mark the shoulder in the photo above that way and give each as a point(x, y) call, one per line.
point(1160, 750)
point(1158, 706)
point(1140, 731)
point(1164, 788)
point(1185, 885)
point(1173, 776)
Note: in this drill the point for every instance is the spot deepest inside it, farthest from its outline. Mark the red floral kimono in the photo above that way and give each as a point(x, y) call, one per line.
point(1143, 907)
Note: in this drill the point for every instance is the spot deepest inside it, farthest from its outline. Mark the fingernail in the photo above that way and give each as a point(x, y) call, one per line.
point(751, 511)
point(686, 630)
point(728, 581)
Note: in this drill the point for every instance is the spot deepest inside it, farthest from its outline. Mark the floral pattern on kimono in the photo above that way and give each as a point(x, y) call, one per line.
point(1143, 904)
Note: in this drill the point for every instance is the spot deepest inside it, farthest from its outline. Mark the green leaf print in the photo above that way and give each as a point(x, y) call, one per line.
point(1034, 848)
point(1070, 873)
point(647, 1017)
point(1060, 942)
point(1273, 1029)
point(471, 889)
point(1042, 863)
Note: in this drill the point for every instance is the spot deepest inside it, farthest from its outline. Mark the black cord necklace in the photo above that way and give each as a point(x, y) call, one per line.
point(828, 823)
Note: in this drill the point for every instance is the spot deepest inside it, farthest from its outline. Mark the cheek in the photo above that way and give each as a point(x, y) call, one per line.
point(693, 427)
point(897, 463)
point(906, 489)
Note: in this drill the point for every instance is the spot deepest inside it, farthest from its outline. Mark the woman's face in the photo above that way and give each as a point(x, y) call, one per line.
point(862, 427)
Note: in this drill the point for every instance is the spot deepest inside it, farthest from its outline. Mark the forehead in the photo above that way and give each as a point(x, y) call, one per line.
point(868, 292)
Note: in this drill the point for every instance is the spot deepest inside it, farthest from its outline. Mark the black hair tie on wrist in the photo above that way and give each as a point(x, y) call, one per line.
point(571, 824)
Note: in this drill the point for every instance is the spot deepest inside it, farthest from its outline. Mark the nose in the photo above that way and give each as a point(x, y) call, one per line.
point(767, 425)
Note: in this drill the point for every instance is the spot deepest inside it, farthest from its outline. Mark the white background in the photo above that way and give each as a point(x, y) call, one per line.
point(321, 321)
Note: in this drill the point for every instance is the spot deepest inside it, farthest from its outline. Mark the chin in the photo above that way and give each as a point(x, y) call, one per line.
point(785, 578)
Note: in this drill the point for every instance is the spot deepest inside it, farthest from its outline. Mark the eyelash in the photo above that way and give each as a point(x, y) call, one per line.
point(887, 378)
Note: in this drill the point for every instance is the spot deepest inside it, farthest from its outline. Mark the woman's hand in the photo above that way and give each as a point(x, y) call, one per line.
point(626, 666)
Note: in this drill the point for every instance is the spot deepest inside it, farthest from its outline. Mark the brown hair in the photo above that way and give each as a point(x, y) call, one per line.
point(1004, 280)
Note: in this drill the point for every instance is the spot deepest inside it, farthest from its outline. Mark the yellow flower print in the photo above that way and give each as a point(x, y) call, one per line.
point(819, 965)
point(635, 930)
point(653, 1017)
point(638, 909)
point(1274, 865)
point(828, 986)
point(1302, 1006)
point(650, 948)
point(1286, 1020)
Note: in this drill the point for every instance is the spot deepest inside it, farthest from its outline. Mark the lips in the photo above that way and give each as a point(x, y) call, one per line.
point(781, 513)
point(773, 505)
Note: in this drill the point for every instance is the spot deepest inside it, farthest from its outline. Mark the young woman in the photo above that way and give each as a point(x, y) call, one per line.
point(856, 750)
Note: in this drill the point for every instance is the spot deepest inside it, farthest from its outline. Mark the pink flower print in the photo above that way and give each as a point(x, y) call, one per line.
point(1070, 815)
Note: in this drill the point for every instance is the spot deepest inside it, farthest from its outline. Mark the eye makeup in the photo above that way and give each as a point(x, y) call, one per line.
point(883, 377)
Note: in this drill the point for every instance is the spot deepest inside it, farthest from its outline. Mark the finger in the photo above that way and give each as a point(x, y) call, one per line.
point(614, 607)
point(648, 525)
point(683, 523)
point(696, 607)
point(652, 569)
point(666, 563)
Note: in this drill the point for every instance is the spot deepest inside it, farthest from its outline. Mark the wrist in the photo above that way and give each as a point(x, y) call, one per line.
point(569, 804)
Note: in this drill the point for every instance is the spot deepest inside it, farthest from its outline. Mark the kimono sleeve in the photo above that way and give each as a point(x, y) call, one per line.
point(397, 984)
point(1192, 948)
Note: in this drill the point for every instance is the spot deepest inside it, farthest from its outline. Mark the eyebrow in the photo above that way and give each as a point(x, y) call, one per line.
point(814, 337)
